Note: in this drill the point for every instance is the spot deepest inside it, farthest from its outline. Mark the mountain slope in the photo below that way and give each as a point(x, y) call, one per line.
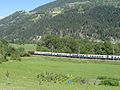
point(95, 19)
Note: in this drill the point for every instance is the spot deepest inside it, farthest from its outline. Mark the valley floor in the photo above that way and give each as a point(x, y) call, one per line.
point(22, 74)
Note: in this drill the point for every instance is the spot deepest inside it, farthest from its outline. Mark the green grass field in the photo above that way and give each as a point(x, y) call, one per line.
point(23, 73)
point(26, 46)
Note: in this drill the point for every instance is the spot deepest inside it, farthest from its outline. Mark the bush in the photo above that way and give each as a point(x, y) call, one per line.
point(109, 82)
point(3, 60)
point(26, 55)
point(102, 77)
point(106, 77)
point(15, 56)
point(59, 78)
point(53, 77)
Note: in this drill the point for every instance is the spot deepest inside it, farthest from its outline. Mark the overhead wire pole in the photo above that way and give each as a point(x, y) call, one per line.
point(113, 52)
point(113, 49)
point(78, 50)
point(52, 50)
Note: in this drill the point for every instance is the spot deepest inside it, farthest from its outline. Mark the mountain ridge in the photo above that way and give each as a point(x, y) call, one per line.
point(94, 19)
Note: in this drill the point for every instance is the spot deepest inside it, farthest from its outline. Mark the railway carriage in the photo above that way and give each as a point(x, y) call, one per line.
point(83, 56)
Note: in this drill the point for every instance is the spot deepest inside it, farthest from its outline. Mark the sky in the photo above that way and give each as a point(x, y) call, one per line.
point(8, 7)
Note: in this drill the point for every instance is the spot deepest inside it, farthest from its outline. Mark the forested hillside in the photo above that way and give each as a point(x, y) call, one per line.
point(94, 19)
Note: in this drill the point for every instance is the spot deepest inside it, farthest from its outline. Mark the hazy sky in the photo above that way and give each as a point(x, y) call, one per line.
point(8, 7)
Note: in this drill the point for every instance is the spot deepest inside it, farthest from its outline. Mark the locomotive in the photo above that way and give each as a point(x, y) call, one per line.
point(82, 56)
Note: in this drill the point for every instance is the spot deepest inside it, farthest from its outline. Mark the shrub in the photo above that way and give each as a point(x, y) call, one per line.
point(52, 77)
point(26, 55)
point(59, 78)
point(109, 82)
point(102, 77)
point(106, 77)
point(15, 56)
point(3, 60)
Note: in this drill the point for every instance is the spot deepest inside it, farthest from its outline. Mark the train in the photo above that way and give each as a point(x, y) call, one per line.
point(82, 56)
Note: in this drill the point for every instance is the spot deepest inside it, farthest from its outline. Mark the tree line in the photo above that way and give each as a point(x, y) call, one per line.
point(82, 46)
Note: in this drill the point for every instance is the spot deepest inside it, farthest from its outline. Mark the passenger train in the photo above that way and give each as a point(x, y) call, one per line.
point(82, 56)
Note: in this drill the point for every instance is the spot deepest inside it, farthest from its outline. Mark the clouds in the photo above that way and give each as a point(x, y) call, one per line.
point(1, 17)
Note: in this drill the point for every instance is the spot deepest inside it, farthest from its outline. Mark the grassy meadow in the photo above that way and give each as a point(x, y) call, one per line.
point(26, 46)
point(23, 74)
